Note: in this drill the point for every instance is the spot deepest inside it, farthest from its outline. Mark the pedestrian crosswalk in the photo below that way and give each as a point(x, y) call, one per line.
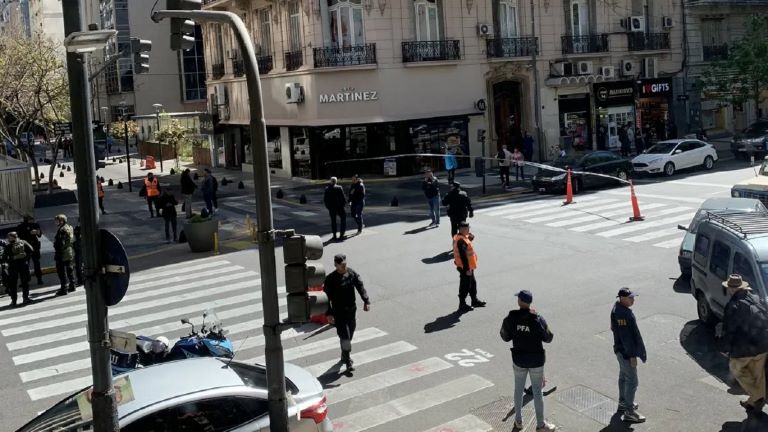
point(393, 381)
point(603, 215)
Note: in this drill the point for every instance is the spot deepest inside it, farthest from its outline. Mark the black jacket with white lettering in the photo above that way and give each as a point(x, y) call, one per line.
point(528, 331)
point(626, 335)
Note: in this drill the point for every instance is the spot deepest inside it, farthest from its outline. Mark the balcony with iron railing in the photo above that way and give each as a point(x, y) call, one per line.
point(238, 67)
point(439, 50)
point(265, 64)
point(648, 41)
point(715, 52)
point(293, 60)
point(594, 43)
point(217, 70)
point(511, 47)
point(345, 56)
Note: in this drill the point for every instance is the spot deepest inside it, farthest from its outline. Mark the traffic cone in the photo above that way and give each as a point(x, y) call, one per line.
point(636, 217)
point(568, 189)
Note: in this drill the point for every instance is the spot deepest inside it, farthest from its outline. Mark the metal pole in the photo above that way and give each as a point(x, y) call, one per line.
point(158, 141)
point(536, 92)
point(102, 399)
point(273, 350)
point(127, 154)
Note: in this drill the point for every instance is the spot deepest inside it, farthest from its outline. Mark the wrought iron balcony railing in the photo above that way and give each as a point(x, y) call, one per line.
point(511, 47)
point(293, 60)
point(585, 44)
point(217, 70)
point(420, 51)
point(345, 56)
point(648, 41)
point(265, 64)
point(238, 67)
point(715, 52)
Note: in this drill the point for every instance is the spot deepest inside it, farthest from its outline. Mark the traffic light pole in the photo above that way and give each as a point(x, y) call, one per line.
point(102, 398)
point(278, 411)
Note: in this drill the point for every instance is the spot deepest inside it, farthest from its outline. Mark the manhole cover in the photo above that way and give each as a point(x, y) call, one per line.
point(589, 403)
point(500, 414)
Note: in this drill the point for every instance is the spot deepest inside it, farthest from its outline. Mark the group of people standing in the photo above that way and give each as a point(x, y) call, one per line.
point(335, 200)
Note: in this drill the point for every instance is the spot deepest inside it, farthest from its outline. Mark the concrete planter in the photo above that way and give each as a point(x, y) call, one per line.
point(200, 235)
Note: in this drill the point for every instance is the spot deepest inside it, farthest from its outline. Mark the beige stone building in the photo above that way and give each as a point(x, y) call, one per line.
point(361, 79)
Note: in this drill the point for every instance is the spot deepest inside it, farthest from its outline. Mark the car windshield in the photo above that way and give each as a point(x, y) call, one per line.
point(64, 416)
point(662, 148)
point(764, 274)
point(757, 129)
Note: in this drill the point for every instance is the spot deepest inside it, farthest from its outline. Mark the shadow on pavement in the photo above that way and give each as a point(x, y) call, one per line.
point(444, 322)
point(682, 285)
point(753, 423)
point(420, 230)
point(439, 258)
point(698, 340)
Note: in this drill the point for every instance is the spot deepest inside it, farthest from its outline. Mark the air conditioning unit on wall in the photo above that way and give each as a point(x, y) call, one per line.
point(667, 23)
point(608, 71)
point(584, 67)
point(627, 68)
point(636, 24)
point(484, 30)
point(294, 93)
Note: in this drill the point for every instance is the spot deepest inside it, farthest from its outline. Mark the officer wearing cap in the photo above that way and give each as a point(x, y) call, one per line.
point(17, 254)
point(340, 287)
point(528, 331)
point(628, 346)
point(459, 206)
point(64, 254)
point(465, 258)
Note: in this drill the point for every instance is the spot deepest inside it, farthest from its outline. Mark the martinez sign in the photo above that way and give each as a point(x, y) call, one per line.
point(349, 95)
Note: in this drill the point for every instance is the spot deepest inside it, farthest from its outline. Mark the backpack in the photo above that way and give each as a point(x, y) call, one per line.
point(758, 329)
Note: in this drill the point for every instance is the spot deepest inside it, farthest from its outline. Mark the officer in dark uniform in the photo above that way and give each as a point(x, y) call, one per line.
point(459, 206)
point(528, 331)
point(30, 232)
point(628, 346)
point(17, 253)
point(340, 288)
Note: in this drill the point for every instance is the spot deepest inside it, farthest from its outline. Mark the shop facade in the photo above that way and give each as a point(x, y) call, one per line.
point(614, 109)
point(654, 113)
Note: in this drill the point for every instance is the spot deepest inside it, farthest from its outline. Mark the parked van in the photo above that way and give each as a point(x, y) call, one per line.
point(728, 242)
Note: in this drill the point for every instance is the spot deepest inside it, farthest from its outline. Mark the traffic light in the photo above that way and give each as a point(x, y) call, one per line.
point(140, 49)
point(300, 276)
point(183, 30)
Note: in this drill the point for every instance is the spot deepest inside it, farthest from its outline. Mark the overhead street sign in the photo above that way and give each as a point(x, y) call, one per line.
point(63, 128)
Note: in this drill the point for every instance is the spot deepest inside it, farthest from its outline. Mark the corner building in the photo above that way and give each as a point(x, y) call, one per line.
point(345, 80)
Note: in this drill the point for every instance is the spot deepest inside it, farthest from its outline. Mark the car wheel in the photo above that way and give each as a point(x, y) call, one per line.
point(621, 174)
point(685, 272)
point(709, 163)
point(669, 169)
point(703, 309)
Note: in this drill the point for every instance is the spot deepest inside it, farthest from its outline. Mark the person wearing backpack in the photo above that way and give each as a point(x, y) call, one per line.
point(744, 332)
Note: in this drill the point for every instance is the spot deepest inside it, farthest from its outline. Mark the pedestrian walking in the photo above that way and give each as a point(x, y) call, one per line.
point(624, 140)
point(459, 207)
point(505, 160)
point(431, 190)
point(527, 146)
point(465, 258)
point(168, 205)
point(210, 185)
point(188, 187)
point(639, 141)
point(357, 201)
point(100, 194)
point(744, 335)
point(17, 253)
point(628, 346)
point(30, 232)
point(340, 288)
point(152, 190)
point(64, 253)
point(518, 159)
point(335, 201)
point(528, 332)
point(450, 164)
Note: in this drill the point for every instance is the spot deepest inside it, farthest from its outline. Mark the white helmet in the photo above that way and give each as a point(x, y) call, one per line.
point(160, 345)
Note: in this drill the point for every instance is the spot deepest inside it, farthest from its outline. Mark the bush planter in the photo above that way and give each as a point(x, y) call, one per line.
point(200, 234)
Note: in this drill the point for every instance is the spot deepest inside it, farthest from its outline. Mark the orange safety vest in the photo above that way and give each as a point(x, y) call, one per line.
point(471, 256)
point(100, 189)
point(151, 187)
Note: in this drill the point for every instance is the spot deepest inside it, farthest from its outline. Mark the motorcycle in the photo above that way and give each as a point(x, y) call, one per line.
point(209, 341)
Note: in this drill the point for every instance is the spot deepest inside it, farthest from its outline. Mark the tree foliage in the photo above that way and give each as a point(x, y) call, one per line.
point(117, 128)
point(175, 134)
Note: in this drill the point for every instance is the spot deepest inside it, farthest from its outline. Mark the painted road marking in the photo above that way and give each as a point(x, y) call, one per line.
point(612, 223)
point(304, 213)
point(554, 208)
point(671, 243)
point(572, 212)
point(654, 235)
point(323, 345)
point(468, 423)
point(588, 218)
point(363, 357)
point(639, 226)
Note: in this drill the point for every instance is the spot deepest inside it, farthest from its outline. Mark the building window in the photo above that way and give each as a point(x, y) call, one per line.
point(508, 19)
point(219, 52)
point(579, 18)
point(125, 71)
point(118, 111)
point(193, 69)
point(294, 25)
point(346, 23)
point(265, 31)
point(114, 15)
point(427, 20)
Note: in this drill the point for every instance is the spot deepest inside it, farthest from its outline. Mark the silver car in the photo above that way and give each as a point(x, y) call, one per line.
point(199, 394)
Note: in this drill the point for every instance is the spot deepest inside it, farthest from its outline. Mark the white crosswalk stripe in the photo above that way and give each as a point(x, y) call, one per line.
point(49, 346)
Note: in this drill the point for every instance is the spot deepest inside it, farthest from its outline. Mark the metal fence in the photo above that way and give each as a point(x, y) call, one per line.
point(16, 195)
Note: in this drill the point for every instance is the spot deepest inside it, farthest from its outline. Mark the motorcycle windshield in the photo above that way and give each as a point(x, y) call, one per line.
point(212, 321)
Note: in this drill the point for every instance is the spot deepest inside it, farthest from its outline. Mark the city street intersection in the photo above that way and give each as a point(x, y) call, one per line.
point(420, 365)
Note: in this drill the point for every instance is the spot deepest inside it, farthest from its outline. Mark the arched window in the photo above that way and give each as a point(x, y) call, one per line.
point(508, 19)
point(346, 22)
point(427, 20)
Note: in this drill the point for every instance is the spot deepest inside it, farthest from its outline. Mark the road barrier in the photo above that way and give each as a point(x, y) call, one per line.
point(568, 190)
point(636, 217)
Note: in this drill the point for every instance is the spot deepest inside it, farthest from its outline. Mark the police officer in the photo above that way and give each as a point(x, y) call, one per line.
point(628, 346)
point(465, 258)
point(340, 287)
point(17, 253)
point(64, 254)
point(459, 206)
point(30, 232)
point(528, 331)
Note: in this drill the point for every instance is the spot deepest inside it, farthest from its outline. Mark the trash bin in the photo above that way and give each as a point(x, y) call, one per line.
point(149, 162)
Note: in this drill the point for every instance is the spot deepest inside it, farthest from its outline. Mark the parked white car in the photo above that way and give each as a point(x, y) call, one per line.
point(669, 156)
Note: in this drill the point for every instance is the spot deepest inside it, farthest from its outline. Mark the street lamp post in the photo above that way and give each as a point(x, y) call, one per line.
point(158, 107)
point(127, 145)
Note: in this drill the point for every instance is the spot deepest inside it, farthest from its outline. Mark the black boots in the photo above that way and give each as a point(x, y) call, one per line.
point(464, 307)
point(477, 303)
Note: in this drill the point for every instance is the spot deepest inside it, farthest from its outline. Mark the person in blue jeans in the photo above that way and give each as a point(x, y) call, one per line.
point(528, 331)
point(357, 201)
point(432, 191)
point(628, 346)
point(450, 164)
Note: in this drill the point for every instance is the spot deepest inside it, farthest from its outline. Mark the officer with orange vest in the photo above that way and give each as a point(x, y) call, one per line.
point(152, 187)
point(100, 192)
point(465, 258)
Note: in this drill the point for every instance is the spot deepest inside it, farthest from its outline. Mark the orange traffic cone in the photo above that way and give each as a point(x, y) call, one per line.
point(568, 189)
point(636, 217)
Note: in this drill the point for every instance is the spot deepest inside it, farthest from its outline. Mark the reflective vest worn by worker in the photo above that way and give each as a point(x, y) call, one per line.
point(151, 186)
point(100, 189)
point(471, 256)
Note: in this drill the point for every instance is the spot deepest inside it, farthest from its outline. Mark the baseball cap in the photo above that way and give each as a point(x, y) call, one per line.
point(525, 296)
point(626, 292)
point(340, 259)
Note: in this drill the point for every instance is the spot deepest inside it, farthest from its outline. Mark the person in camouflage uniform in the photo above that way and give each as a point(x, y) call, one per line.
point(64, 254)
point(17, 254)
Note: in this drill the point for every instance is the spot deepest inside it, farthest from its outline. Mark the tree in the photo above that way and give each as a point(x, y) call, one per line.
point(173, 133)
point(34, 94)
point(743, 74)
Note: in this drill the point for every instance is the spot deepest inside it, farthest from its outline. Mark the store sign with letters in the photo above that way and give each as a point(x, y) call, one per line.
point(655, 87)
point(349, 94)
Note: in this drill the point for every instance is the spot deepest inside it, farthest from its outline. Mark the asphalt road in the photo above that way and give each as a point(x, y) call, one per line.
point(420, 365)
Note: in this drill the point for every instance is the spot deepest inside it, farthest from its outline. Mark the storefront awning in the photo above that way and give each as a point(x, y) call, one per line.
point(395, 117)
point(576, 80)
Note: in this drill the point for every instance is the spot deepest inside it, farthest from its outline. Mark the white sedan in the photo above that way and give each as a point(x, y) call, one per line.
point(672, 155)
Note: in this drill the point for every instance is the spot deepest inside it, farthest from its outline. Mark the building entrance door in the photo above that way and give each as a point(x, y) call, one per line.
point(507, 97)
